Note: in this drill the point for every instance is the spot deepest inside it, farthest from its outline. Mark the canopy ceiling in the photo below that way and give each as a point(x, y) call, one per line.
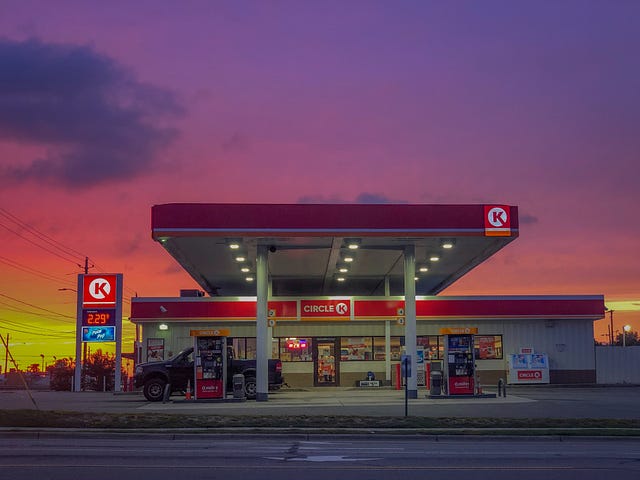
point(308, 244)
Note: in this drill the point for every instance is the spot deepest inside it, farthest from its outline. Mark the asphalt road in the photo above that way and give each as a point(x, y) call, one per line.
point(270, 458)
point(521, 402)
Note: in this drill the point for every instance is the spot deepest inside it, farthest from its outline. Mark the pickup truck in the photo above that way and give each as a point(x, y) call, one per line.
point(153, 376)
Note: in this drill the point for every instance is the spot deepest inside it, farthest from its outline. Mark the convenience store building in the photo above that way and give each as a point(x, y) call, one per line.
point(340, 291)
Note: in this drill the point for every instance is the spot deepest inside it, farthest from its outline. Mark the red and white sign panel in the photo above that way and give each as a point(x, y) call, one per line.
point(461, 385)
point(535, 375)
point(497, 220)
point(99, 290)
point(209, 388)
point(340, 309)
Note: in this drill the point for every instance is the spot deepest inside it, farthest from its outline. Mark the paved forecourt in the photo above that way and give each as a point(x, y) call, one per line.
point(521, 402)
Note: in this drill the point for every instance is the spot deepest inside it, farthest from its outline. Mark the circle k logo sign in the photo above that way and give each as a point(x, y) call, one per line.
point(497, 217)
point(497, 221)
point(99, 290)
point(325, 308)
point(342, 309)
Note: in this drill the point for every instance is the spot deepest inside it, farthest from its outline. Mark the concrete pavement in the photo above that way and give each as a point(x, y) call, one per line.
point(521, 402)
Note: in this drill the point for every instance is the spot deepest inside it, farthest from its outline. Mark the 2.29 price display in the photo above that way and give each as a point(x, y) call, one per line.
point(98, 317)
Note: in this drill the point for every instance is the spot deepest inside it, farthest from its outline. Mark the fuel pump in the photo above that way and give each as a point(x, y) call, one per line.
point(460, 364)
point(210, 355)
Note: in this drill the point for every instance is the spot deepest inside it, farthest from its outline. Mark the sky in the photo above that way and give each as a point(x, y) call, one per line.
point(107, 108)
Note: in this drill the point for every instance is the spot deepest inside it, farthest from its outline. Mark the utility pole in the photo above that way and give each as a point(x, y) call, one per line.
point(86, 265)
point(6, 355)
point(611, 326)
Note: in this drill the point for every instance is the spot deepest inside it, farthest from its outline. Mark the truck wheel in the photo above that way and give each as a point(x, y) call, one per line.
point(154, 389)
point(250, 387)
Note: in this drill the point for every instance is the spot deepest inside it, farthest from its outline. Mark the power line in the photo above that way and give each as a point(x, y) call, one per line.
point(39, 246)
point(33, 330)
point(17, 309)
point(35, 306)
point(43, 236)
point(33, 271)
point(67, 253)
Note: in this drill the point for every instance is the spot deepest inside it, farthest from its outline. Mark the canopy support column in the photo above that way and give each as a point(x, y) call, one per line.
point(262, 356)
point(410, 317)
point(387, 336)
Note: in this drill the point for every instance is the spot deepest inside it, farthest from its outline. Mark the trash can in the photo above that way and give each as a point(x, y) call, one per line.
point(436, 383)
point(238, 385)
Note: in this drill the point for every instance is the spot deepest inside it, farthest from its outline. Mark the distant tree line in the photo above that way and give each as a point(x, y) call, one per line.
point(98, 374)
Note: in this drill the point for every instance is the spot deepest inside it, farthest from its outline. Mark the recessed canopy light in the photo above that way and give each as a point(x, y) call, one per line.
point(234, 243)
point(353, 243)
point(343, 269)
point(423, 268)
point(249, 279)
point(447, 244)
point(341, 279)
point(348, 259)
point(434, 258)
point(240, 258)
point(245, 269)
point(163, 326)
point(416, 278)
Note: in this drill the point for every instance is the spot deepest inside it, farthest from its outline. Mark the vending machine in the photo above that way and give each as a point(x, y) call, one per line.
point(210, 367)
point(460, 364)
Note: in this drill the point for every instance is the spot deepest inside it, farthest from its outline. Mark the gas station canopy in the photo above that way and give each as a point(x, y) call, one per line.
point(311, 245)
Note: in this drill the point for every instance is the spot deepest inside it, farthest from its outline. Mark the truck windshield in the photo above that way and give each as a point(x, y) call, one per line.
point(183, 357)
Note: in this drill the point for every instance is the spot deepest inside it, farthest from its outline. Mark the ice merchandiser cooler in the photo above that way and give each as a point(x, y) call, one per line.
point(210, 367)
point(460, 362)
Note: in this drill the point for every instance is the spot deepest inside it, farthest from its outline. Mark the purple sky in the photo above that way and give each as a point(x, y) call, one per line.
point(107, 108)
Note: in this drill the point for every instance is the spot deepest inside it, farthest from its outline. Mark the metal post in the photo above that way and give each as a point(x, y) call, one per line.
point(611, 327)
point(387, 336)
point(77, 382)
point(406, 386)
point(262, 357)
point(118, 377)
point(410, 315)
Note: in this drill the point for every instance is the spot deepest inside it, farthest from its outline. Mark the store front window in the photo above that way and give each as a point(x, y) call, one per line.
point(488, 347)
point(293, 349)
point(356, 348)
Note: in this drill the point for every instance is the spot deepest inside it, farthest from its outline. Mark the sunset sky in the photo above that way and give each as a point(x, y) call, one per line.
point(107, 108)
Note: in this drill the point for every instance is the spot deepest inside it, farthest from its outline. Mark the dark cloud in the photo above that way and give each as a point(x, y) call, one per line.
point(236, 143)
point(527, 219)
point(366, 197)
point(98, 123)
point(363, 197)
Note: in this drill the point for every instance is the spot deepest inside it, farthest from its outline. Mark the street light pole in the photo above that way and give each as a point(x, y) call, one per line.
point(625, 329)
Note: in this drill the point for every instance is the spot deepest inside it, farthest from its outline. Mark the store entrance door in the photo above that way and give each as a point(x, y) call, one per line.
point(326, 362)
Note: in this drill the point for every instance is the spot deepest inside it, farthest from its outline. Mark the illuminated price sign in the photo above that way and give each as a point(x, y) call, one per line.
point(99, 317)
